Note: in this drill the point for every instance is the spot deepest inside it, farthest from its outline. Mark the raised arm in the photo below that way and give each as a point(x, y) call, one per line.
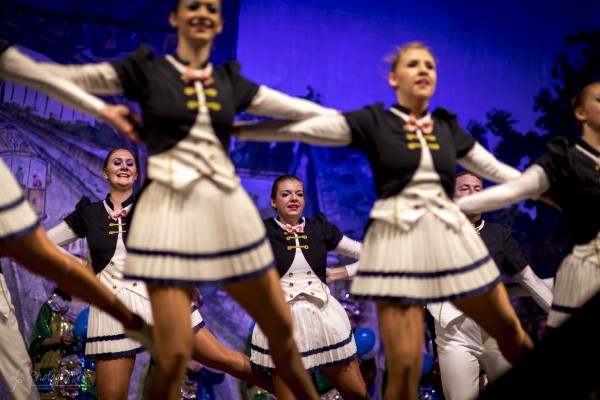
point(272, 103)
point(483, 163)
point(55, 80)
point(17, 67)
point(326, 130)
point(97, 78)
point(530, 185)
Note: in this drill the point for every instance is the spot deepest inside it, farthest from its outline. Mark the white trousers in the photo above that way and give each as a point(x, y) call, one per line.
point(15, 364)
point(463, 350)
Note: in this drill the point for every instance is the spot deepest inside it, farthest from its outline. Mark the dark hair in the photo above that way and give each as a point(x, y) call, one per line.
point(463, 173)
point(577, 101)
point(105, 165)
point(281, 178)
point(394, 59)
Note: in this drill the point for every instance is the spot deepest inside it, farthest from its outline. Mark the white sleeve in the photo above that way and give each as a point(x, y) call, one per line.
point(349, 247)
point(17, 67)
point(62, 234)
point(530, 185)
point(330, 130)
point(536, 287)
point(98, 78)
point(272, 103)
point(352, 269)
point(483, 163)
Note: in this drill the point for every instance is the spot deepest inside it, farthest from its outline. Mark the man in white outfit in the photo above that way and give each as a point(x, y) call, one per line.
point(15, 364)
point(463, 348)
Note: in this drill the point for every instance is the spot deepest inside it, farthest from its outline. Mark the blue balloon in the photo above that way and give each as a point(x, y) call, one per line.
point(427, 364)
point(80, 325)
point(365, 340)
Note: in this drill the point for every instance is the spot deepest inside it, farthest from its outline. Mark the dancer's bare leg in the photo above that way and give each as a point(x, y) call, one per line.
point(403, 335)
point(209, 351)
point(39, 255)
point(263, 300)
point(282, 390)
point(348, 381)
point(494, 312)
point(113, 377)
point(173, 339)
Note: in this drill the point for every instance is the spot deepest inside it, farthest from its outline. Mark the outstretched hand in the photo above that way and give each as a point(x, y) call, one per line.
point(124, 120)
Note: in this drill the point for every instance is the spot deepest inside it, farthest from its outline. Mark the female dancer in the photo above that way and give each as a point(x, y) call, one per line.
point(419, 248)
point(569, 173)
point(186, 229)
point(105, 225)
point(321, 327)
point(21, 235)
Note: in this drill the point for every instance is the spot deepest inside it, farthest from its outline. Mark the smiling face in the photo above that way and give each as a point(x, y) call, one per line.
point(289, 200)
point(197, 21)
point(120, 170)
point(413, 76)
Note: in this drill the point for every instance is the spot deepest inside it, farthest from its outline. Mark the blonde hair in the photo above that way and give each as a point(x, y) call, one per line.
point(394, 59)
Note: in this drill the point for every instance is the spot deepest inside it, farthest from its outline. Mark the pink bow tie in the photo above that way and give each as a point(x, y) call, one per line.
point(191, 74)
point(117, 214)
point(425, 126)
point(295, 228)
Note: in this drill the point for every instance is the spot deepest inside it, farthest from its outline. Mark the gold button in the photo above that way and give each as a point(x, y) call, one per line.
point(214, 106)
point(291, 284)
point(309, 272)
point(134, 283)
point(111, 263)
point(192, 104)
point(310, 282)
point(291, 274)
point(114, 277)
point(210, 92)
point(189, 91)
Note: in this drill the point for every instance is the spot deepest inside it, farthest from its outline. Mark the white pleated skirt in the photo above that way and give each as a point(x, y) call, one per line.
point(429, 263)
point(322, 333)
point(577, 281)
point(203, 234)
point(106, 337)
point(17, 219)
